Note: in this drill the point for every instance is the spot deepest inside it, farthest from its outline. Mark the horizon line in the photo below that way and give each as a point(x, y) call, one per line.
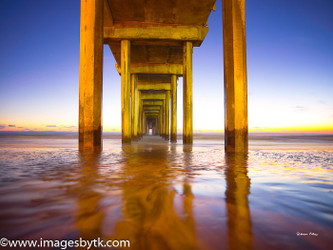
point(197, 132)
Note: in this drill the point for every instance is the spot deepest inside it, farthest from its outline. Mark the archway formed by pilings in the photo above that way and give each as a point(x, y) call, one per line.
point(154, 40)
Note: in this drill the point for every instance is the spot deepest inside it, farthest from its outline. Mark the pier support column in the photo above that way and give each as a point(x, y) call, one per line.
point(91, 75)
point(134, 106)
point(144, 124)
point(173, 108)
point(156, 126)
point(141, 124)
point(139, 116)
point(235, 76)
point(125, 91)
point(167, 114)
point(187, 90)
point(141, 119)
point(160, 122)
point(164, 118)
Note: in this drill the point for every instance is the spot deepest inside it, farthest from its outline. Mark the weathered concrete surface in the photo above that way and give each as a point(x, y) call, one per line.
point(152, 102)
point(168, 34)
point(154, 39)
point(150, 54)
point(156, 86)
point(154, 68)
point(157, 31)
point(134, 106)
point(235, 76)
point(187, 92)
point(156, 95)
point(167, 115)
point(125, 91)
point(194, 12)
point(91, 74)
point(152, 107)
point(174, 108)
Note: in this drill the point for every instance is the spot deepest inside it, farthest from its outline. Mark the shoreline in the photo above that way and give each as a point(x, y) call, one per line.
point(196, 136)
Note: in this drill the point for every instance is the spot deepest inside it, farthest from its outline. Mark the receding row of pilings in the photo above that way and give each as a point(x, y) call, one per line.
point(151, 98)
point(136, 120)
point(135, 93)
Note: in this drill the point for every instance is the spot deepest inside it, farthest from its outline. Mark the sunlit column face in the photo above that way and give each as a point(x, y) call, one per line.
point(90, 96)
point(235, 77)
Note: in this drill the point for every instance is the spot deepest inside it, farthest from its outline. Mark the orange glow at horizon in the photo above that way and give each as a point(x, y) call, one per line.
point(319, 129)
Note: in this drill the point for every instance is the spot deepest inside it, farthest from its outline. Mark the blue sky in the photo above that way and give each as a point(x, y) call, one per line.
point(290, 62)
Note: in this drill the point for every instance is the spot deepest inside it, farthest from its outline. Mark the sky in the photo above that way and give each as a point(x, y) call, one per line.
point(289, 65)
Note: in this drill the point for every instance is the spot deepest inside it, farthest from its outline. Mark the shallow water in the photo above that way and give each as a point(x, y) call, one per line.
point(169, 196)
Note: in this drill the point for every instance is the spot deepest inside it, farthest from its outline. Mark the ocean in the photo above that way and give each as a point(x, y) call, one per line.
point(161, 195)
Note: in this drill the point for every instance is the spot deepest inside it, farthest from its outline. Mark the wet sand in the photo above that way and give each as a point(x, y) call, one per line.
point(169, 196)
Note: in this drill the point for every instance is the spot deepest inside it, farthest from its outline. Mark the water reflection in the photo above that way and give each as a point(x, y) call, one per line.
point(89, 216)
point(187, 194)
point(150, 220)
point(168, 196)
point(154, 214)
point(238, 212)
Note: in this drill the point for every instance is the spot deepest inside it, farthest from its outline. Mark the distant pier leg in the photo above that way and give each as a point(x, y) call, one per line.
point(141, 119)
point(144, 124)
point(156, 126)
point(134, 101)
point(91, 74)
point(167, 132)
point(139, 116)
point(174, 108)
point(160, 122)
point(125, 91)
point(163, 118)
point(187, 91)
point(235, 76)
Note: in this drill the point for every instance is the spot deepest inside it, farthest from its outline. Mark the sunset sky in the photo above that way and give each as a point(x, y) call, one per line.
point(289, 56)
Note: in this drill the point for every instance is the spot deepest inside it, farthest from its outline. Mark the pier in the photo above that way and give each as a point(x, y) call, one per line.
point(152, 43)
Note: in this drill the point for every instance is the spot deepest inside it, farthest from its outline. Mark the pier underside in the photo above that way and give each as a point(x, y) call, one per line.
point(152, 43)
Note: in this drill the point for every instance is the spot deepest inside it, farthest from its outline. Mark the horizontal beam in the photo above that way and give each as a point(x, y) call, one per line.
point(152, 96)
point(151, 111)
point(154, 86)
point(154, 112)
point(146, 31)
point(149, 102)
point(151, 108)
point(151, 117)
point(162, 69)
point(157, 69)
point(154, 78)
